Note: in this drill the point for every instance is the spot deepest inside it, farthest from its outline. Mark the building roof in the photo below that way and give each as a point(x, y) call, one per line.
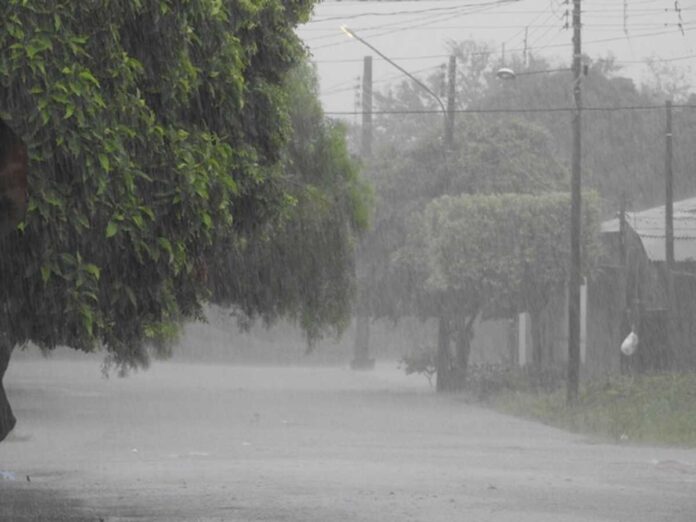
point(650, 226)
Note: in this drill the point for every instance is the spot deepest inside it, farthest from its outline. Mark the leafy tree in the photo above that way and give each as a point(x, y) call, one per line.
point(491, 256)
point(300, 265)
point(488, 156)
point(622, 149)
point(157, 135)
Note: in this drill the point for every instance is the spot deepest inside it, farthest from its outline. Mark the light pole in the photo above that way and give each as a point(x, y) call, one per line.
point(445, 112)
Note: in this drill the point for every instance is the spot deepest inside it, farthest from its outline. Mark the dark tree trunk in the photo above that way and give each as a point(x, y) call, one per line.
point(444, 357)
point(7, 419)
point(462, 344)
point(463, 349)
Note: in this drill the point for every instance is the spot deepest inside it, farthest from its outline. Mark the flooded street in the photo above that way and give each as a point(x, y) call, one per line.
point(196, 442)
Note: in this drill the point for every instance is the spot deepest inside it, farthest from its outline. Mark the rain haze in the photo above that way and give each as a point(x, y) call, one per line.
point(248, 275)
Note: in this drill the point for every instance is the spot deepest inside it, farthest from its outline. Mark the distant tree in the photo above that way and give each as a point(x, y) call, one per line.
point(158, 143)
point(622, 149)
point(475, 256)
point(489, 156)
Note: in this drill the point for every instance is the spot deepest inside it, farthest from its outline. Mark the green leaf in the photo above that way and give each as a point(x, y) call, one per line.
point(45, 273)
point(93, 269)
point(87, 75)
point(111, 229)
point(207, 220)
point(104, 162)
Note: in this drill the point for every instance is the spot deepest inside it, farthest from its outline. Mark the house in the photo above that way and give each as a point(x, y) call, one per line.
point(661, 306)
point(629, 288)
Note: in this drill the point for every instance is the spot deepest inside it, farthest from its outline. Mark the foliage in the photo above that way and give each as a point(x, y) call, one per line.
point(486, 382)
point(622, 149)
point(503, 253)
point(650, 409)
point(156, 132)
point(488, 157)
point(423, 362)
point(301, 264)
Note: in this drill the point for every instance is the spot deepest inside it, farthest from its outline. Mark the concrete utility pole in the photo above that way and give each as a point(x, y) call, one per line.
point(575, 217)
point(366, 142)
point(451, 92)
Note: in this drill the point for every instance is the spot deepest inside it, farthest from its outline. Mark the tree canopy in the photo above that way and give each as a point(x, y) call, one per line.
point(503, 251)
point(488, 157)
point(158, 143)
point(301, 265)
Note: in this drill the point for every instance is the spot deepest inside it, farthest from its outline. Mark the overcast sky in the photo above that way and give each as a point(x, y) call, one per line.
point(415, 34)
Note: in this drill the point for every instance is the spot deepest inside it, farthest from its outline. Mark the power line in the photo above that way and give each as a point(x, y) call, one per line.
point(462, 11)
point(554, 45)
point(414, 11)
point(515, 110)
point(433, 56)
point(595, 27)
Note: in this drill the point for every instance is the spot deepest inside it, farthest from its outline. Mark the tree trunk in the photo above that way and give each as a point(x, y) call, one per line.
point(7, 419)
point(463, 350)
point(444, 362)
point(361, 349)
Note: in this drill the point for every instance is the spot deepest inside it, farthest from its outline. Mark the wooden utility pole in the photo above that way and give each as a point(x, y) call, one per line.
point(451, 91)
point(671, 338)
point(622, 231)
point(669, 193)
point(575, 217)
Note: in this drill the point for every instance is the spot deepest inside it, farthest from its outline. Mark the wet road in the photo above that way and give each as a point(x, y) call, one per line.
point(296, 444)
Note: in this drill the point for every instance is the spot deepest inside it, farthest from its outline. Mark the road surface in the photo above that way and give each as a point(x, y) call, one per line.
point(223, 443)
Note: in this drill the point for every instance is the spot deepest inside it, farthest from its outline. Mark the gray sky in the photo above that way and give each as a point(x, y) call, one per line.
point(415, 34)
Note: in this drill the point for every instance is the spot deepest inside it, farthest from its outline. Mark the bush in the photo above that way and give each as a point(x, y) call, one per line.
point(486, 381)
point(423, 361)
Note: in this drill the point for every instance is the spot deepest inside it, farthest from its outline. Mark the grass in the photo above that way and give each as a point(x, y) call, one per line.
point(656, 409)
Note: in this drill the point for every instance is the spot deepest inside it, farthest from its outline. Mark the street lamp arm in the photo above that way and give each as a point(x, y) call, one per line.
point(350, 33)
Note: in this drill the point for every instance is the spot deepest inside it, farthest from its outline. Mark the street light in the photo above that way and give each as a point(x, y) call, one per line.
point(351, 34)
point(505, 73)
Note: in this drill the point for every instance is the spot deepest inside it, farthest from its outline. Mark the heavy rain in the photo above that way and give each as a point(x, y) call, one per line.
point(427, 260)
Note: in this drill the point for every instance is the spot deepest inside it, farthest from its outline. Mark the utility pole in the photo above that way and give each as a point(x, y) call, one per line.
point(669, 238)
point(669, 193)
point(451, 91)
point(361, 349)
point(622, 230)
point(575, 217)
point(366, 142)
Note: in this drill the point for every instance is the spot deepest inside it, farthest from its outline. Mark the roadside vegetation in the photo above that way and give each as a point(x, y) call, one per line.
point(648, 409)
point(653, 409)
